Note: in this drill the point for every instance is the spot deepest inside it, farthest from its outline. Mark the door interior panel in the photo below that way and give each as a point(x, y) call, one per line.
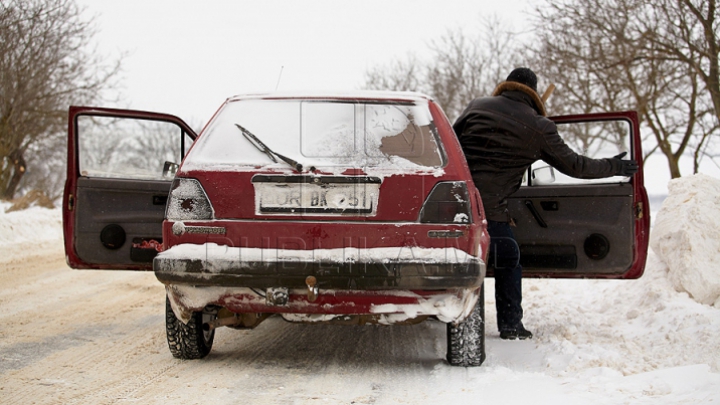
point(578, 230)
point(117, 220)
point(119, 173)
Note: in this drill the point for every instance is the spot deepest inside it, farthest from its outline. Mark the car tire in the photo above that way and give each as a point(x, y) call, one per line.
point(188, 341)
point(466, 339)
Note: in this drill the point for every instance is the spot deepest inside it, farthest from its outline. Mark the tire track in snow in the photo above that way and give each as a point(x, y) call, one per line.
point(295, 362)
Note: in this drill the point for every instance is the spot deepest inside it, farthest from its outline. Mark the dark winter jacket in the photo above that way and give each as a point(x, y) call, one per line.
point(504, 134)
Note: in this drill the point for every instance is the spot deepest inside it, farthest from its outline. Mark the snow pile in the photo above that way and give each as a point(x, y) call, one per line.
point(686, 236)
point(35, 225)
point(628, 326)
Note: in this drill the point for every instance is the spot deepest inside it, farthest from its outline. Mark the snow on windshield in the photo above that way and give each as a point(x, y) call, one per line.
point(321, 134)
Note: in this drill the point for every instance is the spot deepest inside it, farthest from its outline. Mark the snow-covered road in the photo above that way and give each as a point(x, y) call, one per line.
point(95, 337)
point(98, 337)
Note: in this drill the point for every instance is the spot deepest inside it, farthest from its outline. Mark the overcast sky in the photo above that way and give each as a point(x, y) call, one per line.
point(187, 57)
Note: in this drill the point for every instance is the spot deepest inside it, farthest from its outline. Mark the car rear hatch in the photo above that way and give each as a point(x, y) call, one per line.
point(367, 193)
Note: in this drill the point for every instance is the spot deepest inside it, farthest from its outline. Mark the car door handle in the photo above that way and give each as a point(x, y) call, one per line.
point(535, 214)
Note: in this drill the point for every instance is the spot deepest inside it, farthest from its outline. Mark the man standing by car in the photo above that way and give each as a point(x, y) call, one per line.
point(501, 137)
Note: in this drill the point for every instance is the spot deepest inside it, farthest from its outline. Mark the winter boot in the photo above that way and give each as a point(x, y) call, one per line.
point(517, 333)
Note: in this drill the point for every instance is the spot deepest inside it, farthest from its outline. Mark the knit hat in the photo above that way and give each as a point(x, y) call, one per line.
point(524, 76)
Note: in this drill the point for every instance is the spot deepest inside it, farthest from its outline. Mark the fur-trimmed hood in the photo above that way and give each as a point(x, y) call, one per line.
point(515, 86)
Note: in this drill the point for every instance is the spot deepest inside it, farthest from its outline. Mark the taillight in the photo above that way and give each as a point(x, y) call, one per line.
point(188, 201)
point(448, 203)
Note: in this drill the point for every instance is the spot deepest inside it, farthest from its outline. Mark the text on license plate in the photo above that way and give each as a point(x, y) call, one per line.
point(299, 198)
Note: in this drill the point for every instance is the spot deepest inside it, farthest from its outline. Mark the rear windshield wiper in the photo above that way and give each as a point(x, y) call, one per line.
point(264, 149)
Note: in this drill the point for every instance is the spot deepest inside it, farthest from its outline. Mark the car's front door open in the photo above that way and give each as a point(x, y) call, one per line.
point(599, 228)
point(120, 167)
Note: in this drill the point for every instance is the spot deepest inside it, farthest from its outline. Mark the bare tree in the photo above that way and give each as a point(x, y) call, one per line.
point(399, 75)
point(690, 36)
point(460, 67)
point(45, 66)
point(624, 54)
point(46, 166)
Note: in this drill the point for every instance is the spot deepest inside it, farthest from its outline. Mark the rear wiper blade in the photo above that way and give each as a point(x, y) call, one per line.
point(264, 149)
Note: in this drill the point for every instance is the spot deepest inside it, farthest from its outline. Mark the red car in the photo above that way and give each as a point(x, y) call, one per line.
point(349, 208)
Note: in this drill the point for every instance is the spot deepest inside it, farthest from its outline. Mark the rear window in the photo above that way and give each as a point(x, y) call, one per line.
point(321, 134)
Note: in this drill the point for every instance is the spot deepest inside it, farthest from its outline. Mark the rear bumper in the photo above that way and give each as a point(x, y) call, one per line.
point(406, 268)
point(384, 307)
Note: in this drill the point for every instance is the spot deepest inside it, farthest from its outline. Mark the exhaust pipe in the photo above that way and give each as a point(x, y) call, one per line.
point(220, 322)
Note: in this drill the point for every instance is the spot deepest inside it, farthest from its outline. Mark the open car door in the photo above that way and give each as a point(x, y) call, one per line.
point(120, 167)
point(572, 228)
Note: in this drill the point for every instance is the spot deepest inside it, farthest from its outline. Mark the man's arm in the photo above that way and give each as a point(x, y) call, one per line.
point(556, 153)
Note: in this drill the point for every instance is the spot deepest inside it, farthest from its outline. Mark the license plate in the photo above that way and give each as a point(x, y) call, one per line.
point(323, 196)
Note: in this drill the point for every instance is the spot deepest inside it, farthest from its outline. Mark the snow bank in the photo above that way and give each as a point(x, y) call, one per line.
point(629, 326)
point(35, 226)
point(686, 236)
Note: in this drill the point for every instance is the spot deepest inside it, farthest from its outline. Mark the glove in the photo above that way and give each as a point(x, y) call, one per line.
point(623, 167)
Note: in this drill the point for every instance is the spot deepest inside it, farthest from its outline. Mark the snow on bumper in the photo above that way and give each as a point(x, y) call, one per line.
point(402, 268)
point(389, 306)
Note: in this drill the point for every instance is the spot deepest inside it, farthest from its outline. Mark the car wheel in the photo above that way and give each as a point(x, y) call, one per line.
point(466, 340)
point(188, 341)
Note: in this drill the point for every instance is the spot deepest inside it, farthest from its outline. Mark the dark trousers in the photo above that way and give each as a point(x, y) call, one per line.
point(504, 259)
